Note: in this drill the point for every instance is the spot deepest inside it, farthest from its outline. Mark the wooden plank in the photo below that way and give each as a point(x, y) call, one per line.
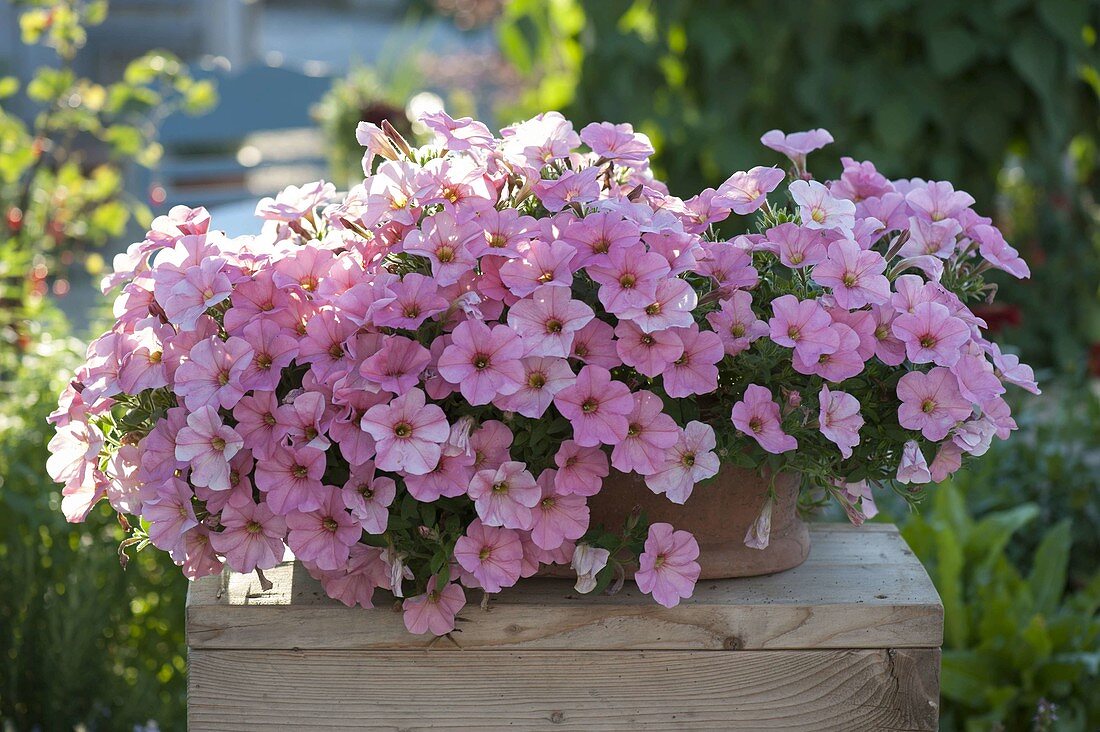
point(813, 691)
point(859, 588)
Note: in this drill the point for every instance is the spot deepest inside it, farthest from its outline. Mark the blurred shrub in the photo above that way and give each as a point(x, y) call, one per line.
point(82, 642)
point(932, 88)
point(62, 175)
point(1019, 654)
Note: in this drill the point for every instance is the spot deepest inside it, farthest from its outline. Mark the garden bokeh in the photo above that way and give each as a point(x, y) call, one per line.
point(1000, 96)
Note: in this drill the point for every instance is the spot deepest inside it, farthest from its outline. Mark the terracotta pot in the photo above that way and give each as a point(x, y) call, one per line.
point(719, 515)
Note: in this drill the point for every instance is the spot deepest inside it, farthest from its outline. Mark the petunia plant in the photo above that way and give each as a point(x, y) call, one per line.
point(417, 386)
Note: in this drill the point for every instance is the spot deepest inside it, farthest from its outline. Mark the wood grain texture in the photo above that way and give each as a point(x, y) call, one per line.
point(813, 691)
point(860, 588)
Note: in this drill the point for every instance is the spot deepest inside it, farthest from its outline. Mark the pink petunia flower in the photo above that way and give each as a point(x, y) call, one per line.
point(931, 402)
point(483, 362)
point(913, 467)
point(745, 192)
point(695, 371)
point(490, 443)
point(324, 346)
point(650, 432)
point(995, 250)
point(594, 344)
point(572, 187)
point(459, 134)
point(558, 517)
point(491, 554)
point(539, 264)
point(736, 324)
point(397, 366)
point(207, 445)
point(170, 514)
point(596, 406)
point(505, 496)
point(803, 325)
point(855, 276)
point(650, 353)
point(671, 307)
point(368, 497)
point(201, 287)
point(839, 419)
point(757, 415)
point(434, 611)
point(667, 569)
point(211, 375)
point(818, 209)
point(544, 377)
point(690, 460)
point(324, 535)
point(581, 470)
point(597, 234)
point(273, 348)
point(256, 422)
point(415, 299)
point(938, 200)
point(618, 143)
point(629, 278)
point(888, 347)
point(587, 562)
point(796, 145)
point(443, 240)
point(252, 537)
point(797, 246)
point(1010, 369)
point(843, 363)
point(931, 334)
point(547, 321)
point(408, 433)
point(291, 479)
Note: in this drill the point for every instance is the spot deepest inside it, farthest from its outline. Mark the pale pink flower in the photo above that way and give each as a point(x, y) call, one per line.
point(797, 246)
point(355, 584)
point(397, 366)
point(434, 611)
point(295, 202)
point(195, 556)
point(291, 479)
point(803, 325)
point(859, 492)
point(618, 143)
point(211, 375)
point(931, 334)
point(596, 406)
point(490, 444)
point(503, 232)
point(256, 422)
point(391, 194)
point(843, 363)
point(650, 433)
point(415, 299)
point(141, 361)
point(558, 516)
point(935, 238)
point(587, 562)
point(170, 514)
point(74, 452)
point(408, 433)
point(695, 371)
point(938, 200)
point(200, 288)
point(443, 241)
point(505, 496)
point(650, 353)
point(368, 497)
point(459, 134)
point(859, 181)
point(450, 478)
point(273, 348)
point(594, 344)
point(629, 277)
point(304, 420)
point(324, 346)
point(491, 554)
point(757, 415)
point(759, 534)
point(548, 320)
point(735, 322)
point(539, 264)
point(948, 460)
point(303, 268)
point(745, 192)
point(975, 436)
point(913, 467)
point(729, 264)
point(888, 347)
point(819, 209)
point(796, 145)
point(581, 470)
point(1009, 368)
point(667, 569)
point(978, 381)
point(207, 445)
point(483, 362)
point(572, 187)
point(543, 378)
point(931, 402)
point(855, 276)
point(690, 460)
point(996, 251)
point(324, 535)
point(252, 537)
point(671, 307)
point(597, 234)
point(839, 419)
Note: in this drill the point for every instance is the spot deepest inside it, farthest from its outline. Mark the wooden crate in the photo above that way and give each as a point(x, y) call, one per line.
point(848, 641)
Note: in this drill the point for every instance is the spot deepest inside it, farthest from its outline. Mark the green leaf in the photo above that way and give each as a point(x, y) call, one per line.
point(991, 534)
point(200, 97)
point(965, 675)
point(1047, 579)
point(110, 217)
point(951, 50)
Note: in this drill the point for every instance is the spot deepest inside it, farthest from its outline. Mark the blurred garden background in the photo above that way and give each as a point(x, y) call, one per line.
point(112, 113)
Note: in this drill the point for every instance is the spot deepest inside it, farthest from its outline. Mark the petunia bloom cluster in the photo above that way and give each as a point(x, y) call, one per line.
point(418, 385)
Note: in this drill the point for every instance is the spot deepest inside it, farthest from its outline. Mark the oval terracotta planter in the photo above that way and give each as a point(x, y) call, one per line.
point(719, 515)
